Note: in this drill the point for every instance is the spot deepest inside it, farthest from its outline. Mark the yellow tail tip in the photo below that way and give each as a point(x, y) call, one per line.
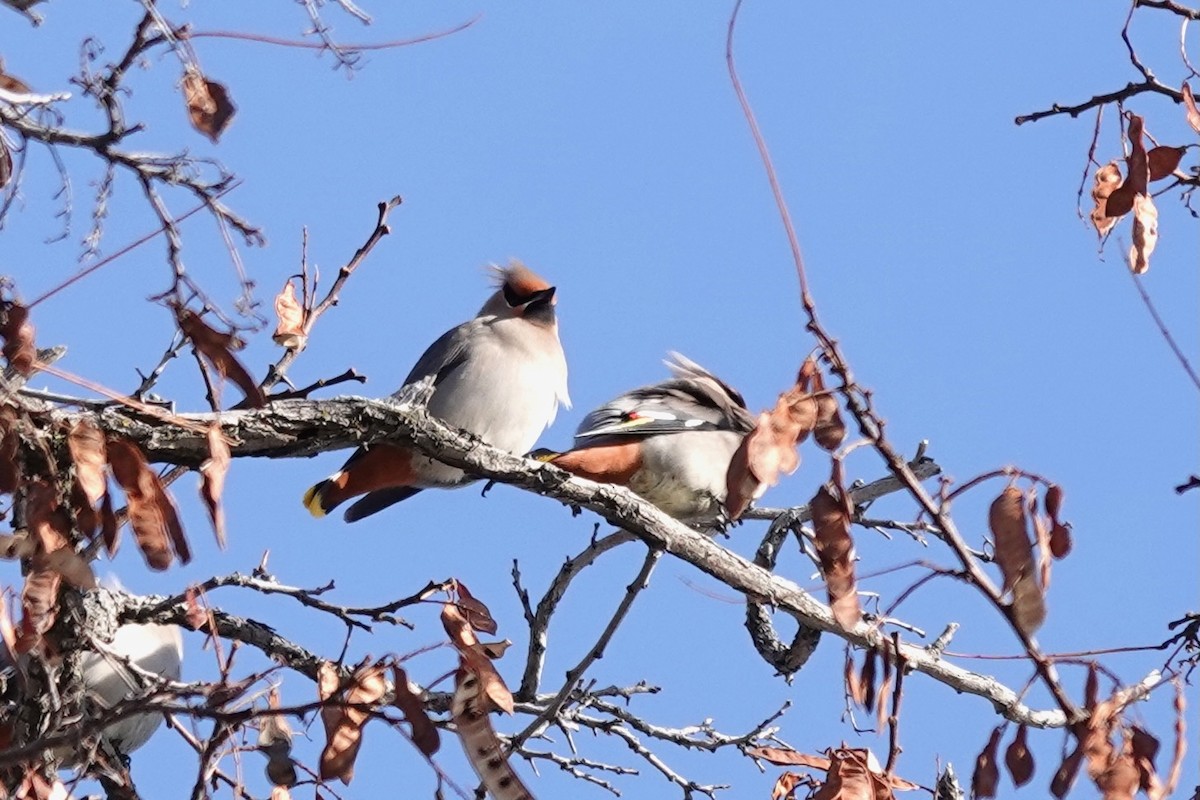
point(312, 500)
point(544, 454)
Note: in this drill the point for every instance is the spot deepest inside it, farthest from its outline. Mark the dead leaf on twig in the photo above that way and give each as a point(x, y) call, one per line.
point(12, 84)
point(152, 513)
point(1193, 113)
point(39, 607)
point(462, 636)
point(1018, 759)
point(829, 431)
point(217, 348)
point(469, 709)
point(1106, 181)
point(476, 613)
point(17, 332)
point(851, 773)
point(344, 724)
point(208, 104)
point(1145, 233)
point(835, 548)
point(1137, 166)
point(1014, 555)
point(770, 449)
point(986, 777)
point(212, 480)
point(85, 443)
point(424, 733)
point(289, 331)
point(1163, 160)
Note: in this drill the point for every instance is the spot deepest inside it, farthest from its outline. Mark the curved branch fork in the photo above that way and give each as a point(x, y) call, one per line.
point(301, 428)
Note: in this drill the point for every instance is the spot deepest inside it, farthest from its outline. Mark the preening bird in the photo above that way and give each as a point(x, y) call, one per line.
point(671, 442)
point(500, 376)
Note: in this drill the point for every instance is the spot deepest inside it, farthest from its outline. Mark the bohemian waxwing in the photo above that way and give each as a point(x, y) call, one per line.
point(499, 376)
point(670, 442)
point(152, 648)
point(107, 678)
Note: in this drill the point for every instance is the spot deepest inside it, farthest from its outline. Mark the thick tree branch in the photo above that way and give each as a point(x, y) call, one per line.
point(306, 427)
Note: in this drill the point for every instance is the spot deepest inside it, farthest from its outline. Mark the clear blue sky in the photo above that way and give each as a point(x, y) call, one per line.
point(602, 144)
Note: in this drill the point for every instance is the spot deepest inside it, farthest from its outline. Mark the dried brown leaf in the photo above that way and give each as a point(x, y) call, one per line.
point(1060, 541)
point(1041, 535)
point(488, 757)
point(47, 523)
point(1014, 554)
point(212, 480)
point(1137, 166)
point(770, 449)
point(1120, 779)
point(1145, 752)
point(13, 84)
point(494, 650)
point(1107, 180)
point(17, 332)
point(208, 104)
point(1095, 738)
point(854, 685)
point(867, 678)
point(110, 531)
point(986, 777)
point(86, 518)
point(789, 758)
point(785, 786)
point(86, 445)
point(1018, 759)
point(1163, 160)
point(329, 683)
point(367, 688)
point(1189, 102)
point(850, 778)
point(39, 606)
point(152, 514)
point(829, 431)
point(424, 733)
point(476, 613)
point(217, 349)
point(1145, 233)
point(1054, 501)
point(73, 567)
point(884, 694)
point(1091, 687)
point(289, 331)
point(835, 548)
point(1068, 770)
point(197, 617)
point(462, 636)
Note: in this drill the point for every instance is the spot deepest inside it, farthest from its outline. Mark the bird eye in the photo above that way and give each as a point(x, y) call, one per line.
point(512, 298)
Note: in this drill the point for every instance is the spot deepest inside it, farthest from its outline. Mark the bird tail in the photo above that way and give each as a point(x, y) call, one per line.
point(314, 498)
point(544, 454)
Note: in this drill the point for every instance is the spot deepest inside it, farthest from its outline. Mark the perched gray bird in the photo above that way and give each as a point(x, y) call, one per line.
point(500, 376)
point(108, 679)
point(670, 442)
point(156, 649)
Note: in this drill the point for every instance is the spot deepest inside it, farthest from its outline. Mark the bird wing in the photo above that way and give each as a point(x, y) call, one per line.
point(446, 354)
point(694, 400)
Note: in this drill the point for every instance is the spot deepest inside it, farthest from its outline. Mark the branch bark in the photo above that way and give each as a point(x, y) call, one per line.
point(300, 428)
